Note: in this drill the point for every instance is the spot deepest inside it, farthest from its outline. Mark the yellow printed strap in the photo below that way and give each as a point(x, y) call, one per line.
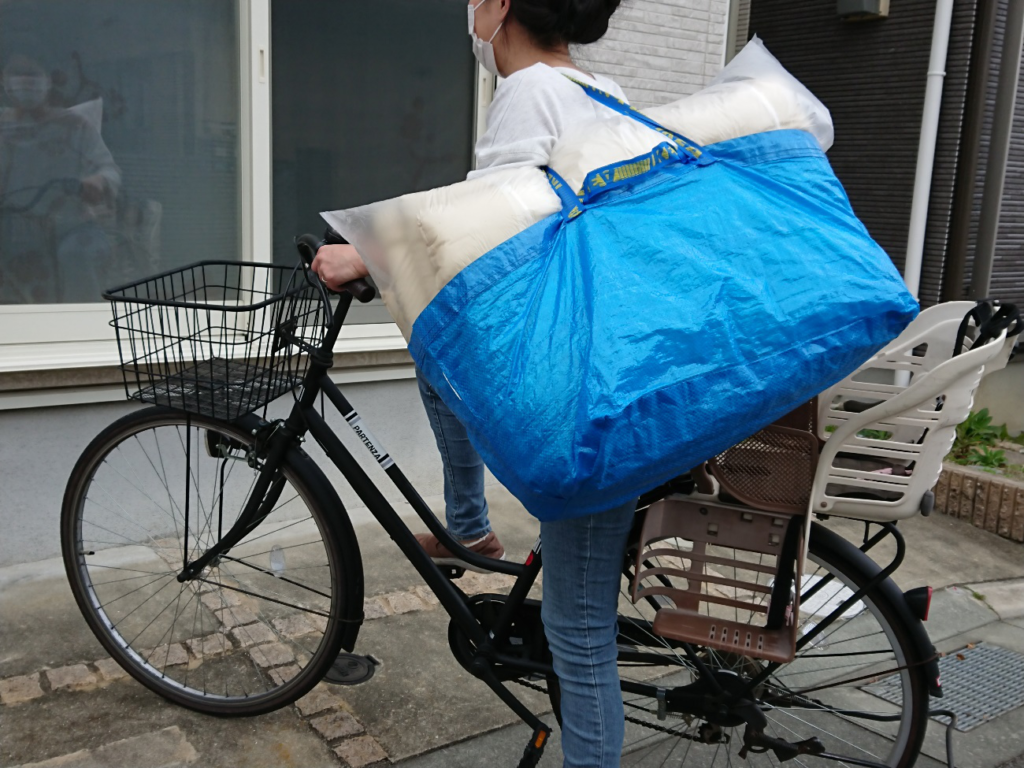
point(616, 174)
point(572, 204)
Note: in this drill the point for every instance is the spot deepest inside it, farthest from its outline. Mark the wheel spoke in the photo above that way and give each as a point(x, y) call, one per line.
point(251, 632)
point(838, 663)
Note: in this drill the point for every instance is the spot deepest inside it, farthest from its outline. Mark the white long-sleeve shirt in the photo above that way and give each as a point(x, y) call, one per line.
point(531, 110)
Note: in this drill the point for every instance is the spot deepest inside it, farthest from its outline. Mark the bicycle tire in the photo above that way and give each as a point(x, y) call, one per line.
point(835, 555)
point(261, 625)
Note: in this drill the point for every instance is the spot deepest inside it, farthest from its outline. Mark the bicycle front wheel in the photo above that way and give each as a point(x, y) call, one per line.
point(257, 628)
point(832, 691)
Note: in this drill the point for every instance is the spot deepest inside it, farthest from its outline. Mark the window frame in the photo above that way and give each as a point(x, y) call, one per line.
point(53, 337)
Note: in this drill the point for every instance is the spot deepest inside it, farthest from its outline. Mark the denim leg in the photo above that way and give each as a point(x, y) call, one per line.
point(582, 577)
point(464, 502)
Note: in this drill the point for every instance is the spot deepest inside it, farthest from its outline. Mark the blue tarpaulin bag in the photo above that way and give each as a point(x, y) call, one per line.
point(677, 304)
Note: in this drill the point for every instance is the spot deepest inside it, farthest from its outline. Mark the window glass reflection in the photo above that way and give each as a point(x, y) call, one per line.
point(118, 142)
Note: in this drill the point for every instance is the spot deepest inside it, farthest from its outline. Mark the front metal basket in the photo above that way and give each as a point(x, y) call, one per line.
point(217, 338)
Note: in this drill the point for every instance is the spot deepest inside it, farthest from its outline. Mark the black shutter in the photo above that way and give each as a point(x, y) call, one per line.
point(872, 76)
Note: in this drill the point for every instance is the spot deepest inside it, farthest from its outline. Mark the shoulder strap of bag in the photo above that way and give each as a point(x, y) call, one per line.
point(690, 147)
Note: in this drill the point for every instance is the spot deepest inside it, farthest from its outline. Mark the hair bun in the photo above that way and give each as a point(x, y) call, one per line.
point(589, 20)
point(564, 21)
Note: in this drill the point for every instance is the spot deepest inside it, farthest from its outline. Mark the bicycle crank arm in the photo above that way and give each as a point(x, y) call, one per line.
point(246, 522)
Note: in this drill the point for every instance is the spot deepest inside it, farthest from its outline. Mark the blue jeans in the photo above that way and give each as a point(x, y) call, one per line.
point(582, 574)
point(465, 507)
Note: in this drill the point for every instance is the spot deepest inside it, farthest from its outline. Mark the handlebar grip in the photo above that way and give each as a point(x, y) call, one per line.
point(308, 245)
point(333, 237)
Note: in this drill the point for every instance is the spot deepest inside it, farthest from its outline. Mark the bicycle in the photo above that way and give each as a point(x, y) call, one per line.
point(216, 563)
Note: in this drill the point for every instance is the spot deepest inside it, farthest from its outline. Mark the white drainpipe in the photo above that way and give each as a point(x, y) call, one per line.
point(926, 147)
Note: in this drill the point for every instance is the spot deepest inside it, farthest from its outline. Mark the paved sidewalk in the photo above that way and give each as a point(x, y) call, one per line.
point(63, 704)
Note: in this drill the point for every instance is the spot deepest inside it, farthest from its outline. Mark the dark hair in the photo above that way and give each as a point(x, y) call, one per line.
point(564, 21)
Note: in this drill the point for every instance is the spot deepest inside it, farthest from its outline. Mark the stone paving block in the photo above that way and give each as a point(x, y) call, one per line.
point(166, 748)
point(475, 583)
point(426, 595)
point(404, 602)
point(376, 608)
point(216, 599)
point(281, 675)
point(995, 495)
point(253, 634)
point(295, 626)
point(272, 654)
point(15, 690)
point(167, 655)
point(211, 645)
point(981, 489)
point(1005, 511)
point(236, 617)
point(75, 676)
point(360, 752)
point(336, 725)
point(319, 700)
point(942, 491)
point(953, 504)
point(1017, 529)
point(967, 498)
point(110, 670)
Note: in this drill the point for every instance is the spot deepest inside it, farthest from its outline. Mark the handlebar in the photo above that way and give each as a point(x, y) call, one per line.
point(308, 245)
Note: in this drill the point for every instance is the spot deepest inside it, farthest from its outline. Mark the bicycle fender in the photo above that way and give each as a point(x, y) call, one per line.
point(914, 627)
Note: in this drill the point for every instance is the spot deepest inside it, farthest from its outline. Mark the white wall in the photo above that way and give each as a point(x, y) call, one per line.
point(660, 50)
point(1003, 394)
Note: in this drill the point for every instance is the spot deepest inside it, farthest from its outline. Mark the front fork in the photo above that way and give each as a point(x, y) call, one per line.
point(265, 494)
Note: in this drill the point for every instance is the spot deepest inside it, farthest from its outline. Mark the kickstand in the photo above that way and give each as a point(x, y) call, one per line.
point(535, 749)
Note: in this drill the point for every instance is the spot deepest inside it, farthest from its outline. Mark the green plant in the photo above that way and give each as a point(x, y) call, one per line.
point(987, 458)
point(976, 431)
point(874, 434)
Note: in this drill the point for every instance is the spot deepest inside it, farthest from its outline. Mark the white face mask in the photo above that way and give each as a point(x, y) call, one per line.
point(483, 51)
point(27, 91)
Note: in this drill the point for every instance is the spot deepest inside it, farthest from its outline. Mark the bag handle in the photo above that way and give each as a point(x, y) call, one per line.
point(692, 148)
point(572, 203)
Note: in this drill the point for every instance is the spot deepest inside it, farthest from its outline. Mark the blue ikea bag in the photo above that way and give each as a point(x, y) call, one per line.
point(677, 304)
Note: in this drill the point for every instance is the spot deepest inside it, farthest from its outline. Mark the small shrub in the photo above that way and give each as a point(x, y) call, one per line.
point(987, 458)
point(874, 434)
point(976, 431)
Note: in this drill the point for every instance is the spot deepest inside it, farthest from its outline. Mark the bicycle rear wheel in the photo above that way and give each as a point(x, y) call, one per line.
point(255, 630)
point(823, 693)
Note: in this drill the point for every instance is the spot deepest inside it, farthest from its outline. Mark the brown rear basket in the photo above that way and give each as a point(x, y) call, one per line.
point(730, 574)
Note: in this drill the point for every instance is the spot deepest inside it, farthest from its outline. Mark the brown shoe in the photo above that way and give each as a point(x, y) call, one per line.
point(488, 546)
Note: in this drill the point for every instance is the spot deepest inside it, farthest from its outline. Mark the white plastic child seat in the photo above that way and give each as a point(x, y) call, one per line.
point(914, 392)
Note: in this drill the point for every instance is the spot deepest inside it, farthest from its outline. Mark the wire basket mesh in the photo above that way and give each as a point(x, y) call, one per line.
point(217, 338)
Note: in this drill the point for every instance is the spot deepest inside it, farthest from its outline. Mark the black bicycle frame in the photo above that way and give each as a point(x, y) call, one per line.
point(697, 698)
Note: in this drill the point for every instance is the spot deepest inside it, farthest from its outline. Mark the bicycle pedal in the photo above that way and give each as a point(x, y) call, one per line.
point(351, 669)
point(452, 572)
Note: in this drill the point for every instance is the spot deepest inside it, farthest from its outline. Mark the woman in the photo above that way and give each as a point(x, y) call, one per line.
point(527, 43)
